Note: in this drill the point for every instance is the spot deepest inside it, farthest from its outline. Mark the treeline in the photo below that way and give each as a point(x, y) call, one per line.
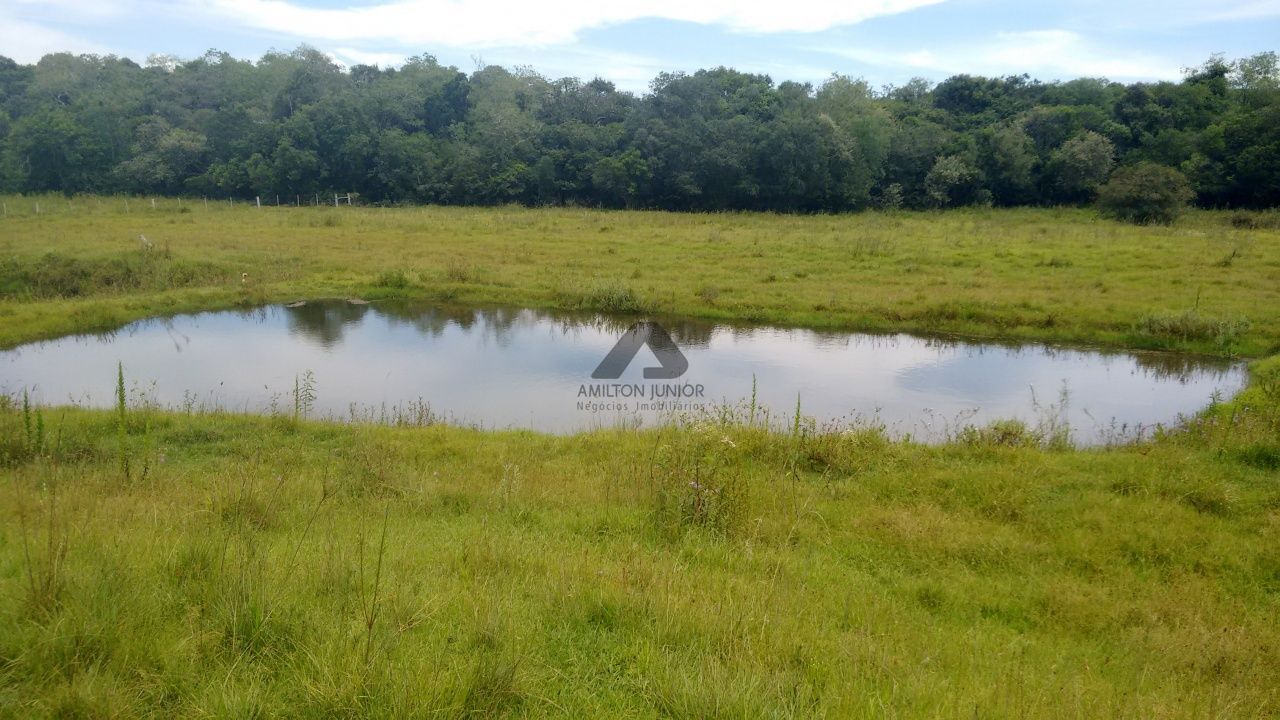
point(295, 124)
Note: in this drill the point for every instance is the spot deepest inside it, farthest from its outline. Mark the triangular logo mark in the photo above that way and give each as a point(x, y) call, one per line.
point(672, 361)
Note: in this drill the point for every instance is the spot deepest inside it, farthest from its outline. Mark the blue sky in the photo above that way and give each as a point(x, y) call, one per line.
point(885, 41)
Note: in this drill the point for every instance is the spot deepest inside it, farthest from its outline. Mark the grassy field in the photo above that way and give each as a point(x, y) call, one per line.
point(155, 563)
point(1057, 275)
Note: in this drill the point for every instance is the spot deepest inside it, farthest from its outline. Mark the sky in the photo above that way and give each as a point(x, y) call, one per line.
point(883, 41)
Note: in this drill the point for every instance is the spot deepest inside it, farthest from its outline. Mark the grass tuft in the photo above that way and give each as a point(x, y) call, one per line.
point(695, 487)
point(55, 275)
point(1191, 326)
point(611, 296)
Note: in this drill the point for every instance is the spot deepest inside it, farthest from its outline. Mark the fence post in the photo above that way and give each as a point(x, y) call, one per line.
point(258, 199)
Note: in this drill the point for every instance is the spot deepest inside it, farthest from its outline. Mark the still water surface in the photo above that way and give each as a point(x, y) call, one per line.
point(502, 368)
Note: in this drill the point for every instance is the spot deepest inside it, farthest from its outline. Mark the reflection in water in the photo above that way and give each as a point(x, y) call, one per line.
point(501, 367)
point(324, 322)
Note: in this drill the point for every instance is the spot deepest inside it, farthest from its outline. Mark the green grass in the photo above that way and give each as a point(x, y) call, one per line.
point(168, 564)
point(1053, 275)
point(842, 575)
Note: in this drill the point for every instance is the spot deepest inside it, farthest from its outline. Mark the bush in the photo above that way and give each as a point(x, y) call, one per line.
point(1001, 433)
point(697, 487)
point(393, 280)
point(1080, 166)
point(1145, 193)
point(953, 182)
point(1245, 220)
point(611, 296)
point(1192, 326)
point(891, 198)
point(56, 275)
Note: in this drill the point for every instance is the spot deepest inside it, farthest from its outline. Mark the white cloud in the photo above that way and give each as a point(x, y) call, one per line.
point(1065, 52)
point(350, 56)
point(1039, 53)
point(79, 10)
point(1146, 16)
point(27, 42)
point(1247, 11)
point(491, 23)
point(629, 71)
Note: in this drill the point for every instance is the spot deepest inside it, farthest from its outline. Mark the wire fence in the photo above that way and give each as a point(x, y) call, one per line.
point(54, 204)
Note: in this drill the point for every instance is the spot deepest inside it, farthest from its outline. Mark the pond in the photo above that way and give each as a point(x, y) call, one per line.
point(516, 368)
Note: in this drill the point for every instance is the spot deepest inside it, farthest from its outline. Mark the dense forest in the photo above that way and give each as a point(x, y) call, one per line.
point(295, 124)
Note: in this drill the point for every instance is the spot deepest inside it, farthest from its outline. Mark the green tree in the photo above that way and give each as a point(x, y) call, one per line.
point(1145, 193)
point(294, 170)
point(448, 105)
point(407, 168)
point(860, 129)
point(951, 182)
point(619, 178)
point(717, 139)
point(51, 150)
point(1008, 161)
point(165, 158)
point(915, 146)
point(1079, 167)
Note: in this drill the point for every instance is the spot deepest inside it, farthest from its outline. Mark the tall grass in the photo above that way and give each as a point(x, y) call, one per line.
point(370, 591)
point(134, 459)
point(610, 296)
point(737, 564)
point(33, 426)
point(1192, 327)
point(1058, 275)
point(695, 487)
point(720, 564)
point(304, 394)
point(56, 275)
